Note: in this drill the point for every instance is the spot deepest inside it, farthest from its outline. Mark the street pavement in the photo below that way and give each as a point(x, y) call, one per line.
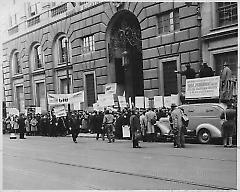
point(48, 163)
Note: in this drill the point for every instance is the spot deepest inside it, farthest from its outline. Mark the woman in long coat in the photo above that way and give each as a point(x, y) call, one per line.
point(27, 126)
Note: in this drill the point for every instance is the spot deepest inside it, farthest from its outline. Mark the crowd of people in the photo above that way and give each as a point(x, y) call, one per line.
point(110, 123)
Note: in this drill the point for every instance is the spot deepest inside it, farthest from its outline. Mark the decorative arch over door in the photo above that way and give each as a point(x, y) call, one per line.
point(125, 66)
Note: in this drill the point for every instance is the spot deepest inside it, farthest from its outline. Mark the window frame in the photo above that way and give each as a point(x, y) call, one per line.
point(88, 44)
point(58, 50)
point(224, 21)
point(166, 22)
point(37, 63)
point(16, 63)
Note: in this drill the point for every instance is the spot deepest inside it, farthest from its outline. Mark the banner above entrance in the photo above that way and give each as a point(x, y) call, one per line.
point(56, 99)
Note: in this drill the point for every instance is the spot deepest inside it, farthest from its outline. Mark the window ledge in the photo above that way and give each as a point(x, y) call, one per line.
point(221, 31)
point(38, 71)
point(63, 66)
point(224, 27)
point(17, 76)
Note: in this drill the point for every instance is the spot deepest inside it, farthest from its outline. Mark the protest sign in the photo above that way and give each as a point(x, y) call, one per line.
point(111, 88)
point(60, 111)
point(167, 101)
point(146, 103)
point(125, 131)
point(77, 106)
point(175, 99)
point(122, 102)
point(139, 102)
point(207, 87)
point(12, 111)
point(38, 110)
point(56, 99)
point(106, 100)
point(158, 101)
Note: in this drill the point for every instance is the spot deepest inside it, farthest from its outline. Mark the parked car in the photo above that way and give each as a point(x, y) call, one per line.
point(163, 129)
point(204, 120)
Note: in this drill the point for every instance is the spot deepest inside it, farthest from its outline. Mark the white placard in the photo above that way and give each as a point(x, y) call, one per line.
point(158, 101)
point(12, 111)
point(167, 101)
point(122, 102)
point(77, 106)
point(139, 102)
point(207, 87)
point(130, 102)
point(175, 99)
point(125, 131)
point(146, 102)
point(38, 110)
point(111, 88)
point(106, 100)
point(60, 111)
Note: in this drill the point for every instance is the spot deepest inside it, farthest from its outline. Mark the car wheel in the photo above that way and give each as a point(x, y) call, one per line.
point(204, 136)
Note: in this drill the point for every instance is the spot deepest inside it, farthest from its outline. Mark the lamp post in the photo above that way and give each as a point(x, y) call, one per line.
point(67, 70)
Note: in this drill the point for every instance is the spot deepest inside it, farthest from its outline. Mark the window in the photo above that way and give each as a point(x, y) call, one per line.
point(88, 44)
point(16, 63)
point(37, 57)
point(20, 99)
point(227, 13)
point(41, 96)
point(62, 49)
point(64, 86)
point(168, 22)
point(34, 9)
point(231, 58)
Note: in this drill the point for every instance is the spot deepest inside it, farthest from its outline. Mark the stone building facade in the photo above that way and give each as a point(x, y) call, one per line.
point(136, 45)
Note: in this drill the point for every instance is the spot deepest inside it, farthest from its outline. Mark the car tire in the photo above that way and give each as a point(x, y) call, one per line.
point(204, 136)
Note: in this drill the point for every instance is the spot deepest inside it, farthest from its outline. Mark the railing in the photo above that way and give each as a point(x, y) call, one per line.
point(67, 8)
point(59, 10)
point(33, 21)
point(13, 30)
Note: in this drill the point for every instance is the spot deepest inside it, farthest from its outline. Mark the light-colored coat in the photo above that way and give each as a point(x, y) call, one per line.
point(150, 115)
point(177, 118)
point(143, 123)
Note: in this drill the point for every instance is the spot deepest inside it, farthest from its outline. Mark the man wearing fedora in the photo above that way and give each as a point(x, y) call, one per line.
point(177, 125)
point(206, 71)
point(226, 76)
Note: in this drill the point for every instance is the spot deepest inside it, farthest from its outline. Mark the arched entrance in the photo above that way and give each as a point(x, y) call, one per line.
point(124, 44)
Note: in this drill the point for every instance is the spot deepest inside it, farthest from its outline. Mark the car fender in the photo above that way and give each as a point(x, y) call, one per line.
point(163, 127)
point(215, 132)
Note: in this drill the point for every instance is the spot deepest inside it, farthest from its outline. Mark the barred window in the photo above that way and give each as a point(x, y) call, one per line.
point(62, 49)
point(37, 55)
point(227, 13)
point(16, 63)
point(88, 44)
point(168, 22)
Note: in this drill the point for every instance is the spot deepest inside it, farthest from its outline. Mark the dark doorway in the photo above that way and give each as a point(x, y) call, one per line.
point(125, 37)
point(170, 78)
